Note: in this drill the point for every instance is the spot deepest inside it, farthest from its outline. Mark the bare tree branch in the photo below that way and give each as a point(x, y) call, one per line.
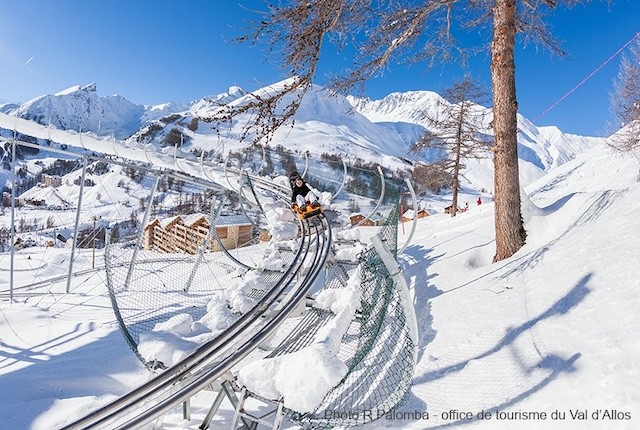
point(625, 102)
point(387, 32)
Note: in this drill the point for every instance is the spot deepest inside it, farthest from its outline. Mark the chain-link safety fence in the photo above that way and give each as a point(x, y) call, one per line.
point(173, 242)
point(378, 347)
point(192, 243)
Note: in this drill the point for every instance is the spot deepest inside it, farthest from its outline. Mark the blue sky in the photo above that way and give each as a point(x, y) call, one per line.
point(156, 51)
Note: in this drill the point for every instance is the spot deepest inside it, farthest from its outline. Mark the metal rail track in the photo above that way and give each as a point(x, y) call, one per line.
point(194, 373)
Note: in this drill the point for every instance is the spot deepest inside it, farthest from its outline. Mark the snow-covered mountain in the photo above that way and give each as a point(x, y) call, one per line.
point(539, 148)
point(80, 108)
point(376, 131)
point(410, 107)
point(324, 124)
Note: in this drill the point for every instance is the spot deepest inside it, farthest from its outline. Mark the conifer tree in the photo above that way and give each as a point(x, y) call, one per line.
point(457, 131)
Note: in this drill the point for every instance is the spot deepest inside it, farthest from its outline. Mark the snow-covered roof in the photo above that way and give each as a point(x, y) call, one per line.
point(191, 219)
point(233, 220)
point(165, 222)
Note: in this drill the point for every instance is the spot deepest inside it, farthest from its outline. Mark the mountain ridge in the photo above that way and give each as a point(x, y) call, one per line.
point(381, 131)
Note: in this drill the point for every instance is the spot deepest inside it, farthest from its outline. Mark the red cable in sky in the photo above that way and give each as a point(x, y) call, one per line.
point(587, 78)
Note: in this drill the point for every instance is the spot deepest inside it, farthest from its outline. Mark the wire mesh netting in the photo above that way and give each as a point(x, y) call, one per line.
point(185, 250)
point(43, 215)
point(171, 242)
point(378, 347)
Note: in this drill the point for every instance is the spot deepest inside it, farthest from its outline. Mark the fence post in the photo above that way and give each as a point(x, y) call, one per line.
point(75, 234)
point(13, 214)
point(140, 240)
point(395, 272)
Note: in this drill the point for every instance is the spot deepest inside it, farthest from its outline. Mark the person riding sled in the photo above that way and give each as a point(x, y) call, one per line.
point(301, 194)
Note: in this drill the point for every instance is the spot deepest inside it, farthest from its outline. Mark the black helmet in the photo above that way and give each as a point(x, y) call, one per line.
point(294, 175)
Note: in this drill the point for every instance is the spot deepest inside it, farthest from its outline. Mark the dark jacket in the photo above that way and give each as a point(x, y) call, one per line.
point(303, 191)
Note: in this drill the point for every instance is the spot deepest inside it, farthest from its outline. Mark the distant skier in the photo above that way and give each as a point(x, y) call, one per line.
point(301, 194)
point(479, 201)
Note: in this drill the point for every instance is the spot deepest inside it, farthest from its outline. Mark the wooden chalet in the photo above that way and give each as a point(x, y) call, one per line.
point(411, 214)
point(362, 221)
point(186, 234)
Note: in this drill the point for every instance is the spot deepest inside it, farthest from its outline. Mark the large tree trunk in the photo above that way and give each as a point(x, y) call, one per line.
point(510, 233)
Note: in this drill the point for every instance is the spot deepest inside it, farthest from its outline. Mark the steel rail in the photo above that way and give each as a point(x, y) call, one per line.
point(414, 222)
point(172, 375)
point(380, 199)
point(237, 353)
point(265, 185)
point(107, 415)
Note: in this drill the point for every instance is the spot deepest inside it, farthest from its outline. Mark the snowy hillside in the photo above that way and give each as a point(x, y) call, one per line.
point(552, 329)
point(376, 131)
point(544, 339)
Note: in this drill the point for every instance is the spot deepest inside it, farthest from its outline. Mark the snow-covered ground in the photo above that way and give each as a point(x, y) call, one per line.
point(545, 339)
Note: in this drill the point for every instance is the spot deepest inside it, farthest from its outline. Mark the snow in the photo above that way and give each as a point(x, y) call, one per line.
point(552, 330)
point(378, 131)
point(172, 340)
point(304, 377)
point(289, 376)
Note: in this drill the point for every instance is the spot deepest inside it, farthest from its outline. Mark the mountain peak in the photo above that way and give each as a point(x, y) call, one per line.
point(236, 91)
point(80, 108)
point(89, 88)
